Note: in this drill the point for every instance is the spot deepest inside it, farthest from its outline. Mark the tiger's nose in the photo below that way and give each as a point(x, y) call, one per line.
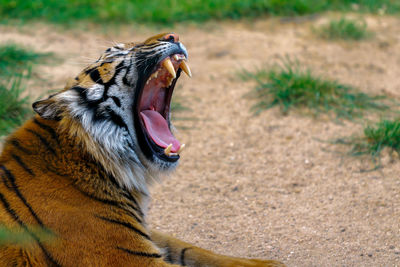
point(172, 37)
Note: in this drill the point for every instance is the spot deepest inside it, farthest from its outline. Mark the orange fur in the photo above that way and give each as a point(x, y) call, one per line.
point(67, 194)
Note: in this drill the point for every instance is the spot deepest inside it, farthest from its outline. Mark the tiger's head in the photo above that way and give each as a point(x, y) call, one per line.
point(119, 108)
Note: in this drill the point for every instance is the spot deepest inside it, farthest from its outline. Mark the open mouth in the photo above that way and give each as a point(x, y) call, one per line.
point(154, 107)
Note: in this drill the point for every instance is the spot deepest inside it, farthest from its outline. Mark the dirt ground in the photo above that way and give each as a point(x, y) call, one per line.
point(261, 186)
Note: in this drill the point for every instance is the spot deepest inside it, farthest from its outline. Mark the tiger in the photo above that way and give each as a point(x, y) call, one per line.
point(80, 169)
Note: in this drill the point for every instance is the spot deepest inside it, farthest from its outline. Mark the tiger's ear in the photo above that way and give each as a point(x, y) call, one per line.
point(47, 108)
point(50, 108)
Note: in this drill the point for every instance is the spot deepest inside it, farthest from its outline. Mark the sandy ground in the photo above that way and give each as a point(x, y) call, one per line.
point(261, 186)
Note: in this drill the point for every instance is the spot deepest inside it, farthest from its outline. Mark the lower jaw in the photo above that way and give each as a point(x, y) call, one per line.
point(151, 150)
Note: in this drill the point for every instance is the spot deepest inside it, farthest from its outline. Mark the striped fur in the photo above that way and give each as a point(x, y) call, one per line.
point(77, 171)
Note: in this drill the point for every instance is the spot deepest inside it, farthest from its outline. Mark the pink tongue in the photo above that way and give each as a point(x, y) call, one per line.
point(158, 130)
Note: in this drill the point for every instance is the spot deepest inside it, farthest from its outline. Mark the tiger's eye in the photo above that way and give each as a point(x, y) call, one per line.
point(171, 37)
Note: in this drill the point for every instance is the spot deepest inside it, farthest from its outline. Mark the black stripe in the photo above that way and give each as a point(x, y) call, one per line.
point(44, 141)
point(106, 61)
point(27, 259)
point(126, 194)
point(132, 198)
point(117, 101)
point(126, 224)
point(55, 171)
point(95, 76)
point(149, 46)
point(9, 209)
point(48, 129)
point(125, 81)
point(18, 193)
point(111, 178)
point(120, 54)
point(183, 256)
point(91, 105)
point(18, 220)
point(168, 257)
point(139, 253)
point(90, 69)
point(116, 118)
point(110, 202)
point(6, 182)
point(135, 209)
point(23, 165)
point(78, 89)
point(111, 82)
point(18, 146)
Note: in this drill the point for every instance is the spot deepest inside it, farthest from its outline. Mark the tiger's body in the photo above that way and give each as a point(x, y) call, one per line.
point(80, 169)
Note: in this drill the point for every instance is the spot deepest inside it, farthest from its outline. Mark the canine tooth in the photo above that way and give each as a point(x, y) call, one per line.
point(185, 67)
point(169, 81)
point(176, 57)
point(168, 65)
point(181, 149)
point(167, 151)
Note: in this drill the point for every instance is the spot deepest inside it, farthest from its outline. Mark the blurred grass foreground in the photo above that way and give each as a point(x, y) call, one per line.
point(16, 63)
point(171, 11)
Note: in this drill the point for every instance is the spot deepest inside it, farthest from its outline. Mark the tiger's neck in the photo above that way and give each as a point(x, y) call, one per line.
point(47, 145)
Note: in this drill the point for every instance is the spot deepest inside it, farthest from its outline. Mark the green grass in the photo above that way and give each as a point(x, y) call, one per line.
point(14, 109)
point(290, 86)
point(16, 63)
point(384, 134)
point(344, 29)
point(171, 11)
point(17, 59)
